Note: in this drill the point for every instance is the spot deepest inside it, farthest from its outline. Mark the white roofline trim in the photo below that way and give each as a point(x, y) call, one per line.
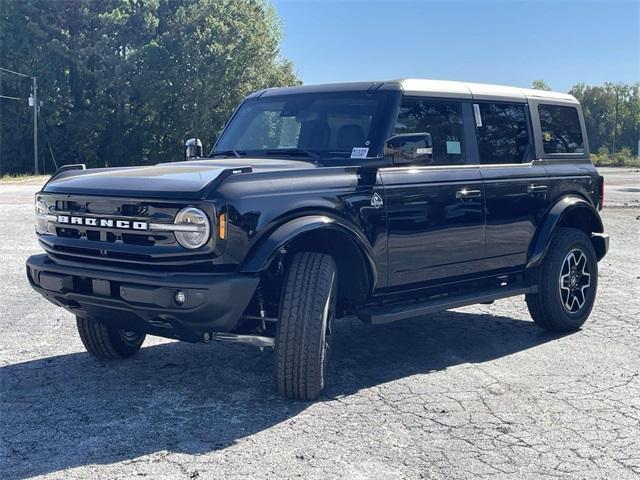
point(432, 88)
point(478, 91)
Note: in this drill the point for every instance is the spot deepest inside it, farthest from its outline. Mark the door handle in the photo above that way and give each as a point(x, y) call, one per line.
point(533, 188)
point(464, 194)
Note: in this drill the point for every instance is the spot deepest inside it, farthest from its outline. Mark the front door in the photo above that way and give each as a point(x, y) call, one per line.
point(435, 213)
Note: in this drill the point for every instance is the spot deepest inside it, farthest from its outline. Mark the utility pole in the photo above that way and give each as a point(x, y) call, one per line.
point(615, 123)
point(35, 126)
point(33, 102)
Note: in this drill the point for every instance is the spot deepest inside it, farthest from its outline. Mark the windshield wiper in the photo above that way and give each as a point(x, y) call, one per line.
point(235, 153)
point(292, 151)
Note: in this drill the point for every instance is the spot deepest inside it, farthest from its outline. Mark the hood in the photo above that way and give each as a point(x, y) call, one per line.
point(185, 180)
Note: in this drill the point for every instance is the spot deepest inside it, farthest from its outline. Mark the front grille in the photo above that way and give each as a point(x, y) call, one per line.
point(98, 235)
point(118, 209)
point(114, 244)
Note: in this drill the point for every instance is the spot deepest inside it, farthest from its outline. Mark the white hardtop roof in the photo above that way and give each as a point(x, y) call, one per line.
point(479, 91)
point(425, 87)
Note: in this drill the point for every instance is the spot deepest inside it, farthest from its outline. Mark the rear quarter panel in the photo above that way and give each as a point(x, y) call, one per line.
point(569, 174)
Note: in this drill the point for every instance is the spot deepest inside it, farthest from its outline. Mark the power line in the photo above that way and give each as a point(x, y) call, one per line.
point(15, 73)
point(12, 98)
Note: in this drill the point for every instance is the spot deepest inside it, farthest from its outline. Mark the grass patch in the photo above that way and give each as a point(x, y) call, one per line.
point(623, 158)
point(21, 177)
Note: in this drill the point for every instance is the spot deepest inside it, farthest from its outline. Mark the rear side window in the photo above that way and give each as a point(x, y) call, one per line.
point(503, 133)
point(443, 120)
point(561, 131)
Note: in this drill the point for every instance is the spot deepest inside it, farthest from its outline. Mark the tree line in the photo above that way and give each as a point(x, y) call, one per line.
point(128, 81)
point(612, 119)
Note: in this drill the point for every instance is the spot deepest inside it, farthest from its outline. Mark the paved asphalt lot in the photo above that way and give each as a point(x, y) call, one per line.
point(475, 392)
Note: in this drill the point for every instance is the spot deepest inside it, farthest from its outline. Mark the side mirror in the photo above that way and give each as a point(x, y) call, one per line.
point(192, 149)
point(409, 147)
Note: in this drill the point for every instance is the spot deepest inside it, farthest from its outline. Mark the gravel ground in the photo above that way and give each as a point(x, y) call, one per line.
point(479, 391)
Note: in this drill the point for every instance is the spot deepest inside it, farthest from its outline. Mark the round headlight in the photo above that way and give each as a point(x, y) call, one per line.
point(192, 227)
point(42, 215)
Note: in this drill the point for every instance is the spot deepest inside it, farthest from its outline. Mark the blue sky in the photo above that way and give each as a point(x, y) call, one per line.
point(508, 42)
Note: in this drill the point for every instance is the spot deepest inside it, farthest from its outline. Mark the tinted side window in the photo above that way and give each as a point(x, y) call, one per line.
point(561, 131)
point(503, 135)
point(443, 120)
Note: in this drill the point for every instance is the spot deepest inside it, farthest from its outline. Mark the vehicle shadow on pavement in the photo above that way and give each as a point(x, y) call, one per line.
point(71, 410)
point(366, 356)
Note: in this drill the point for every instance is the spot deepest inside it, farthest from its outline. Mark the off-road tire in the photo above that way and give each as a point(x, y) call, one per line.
point(303, 344)
point(107, 342)
point(547, 306)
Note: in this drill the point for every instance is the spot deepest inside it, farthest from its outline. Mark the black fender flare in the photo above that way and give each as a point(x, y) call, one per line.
point(558, 211)
point(268, 248)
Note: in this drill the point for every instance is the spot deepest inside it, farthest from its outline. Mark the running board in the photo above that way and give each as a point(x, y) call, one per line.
point(255, 340)
point(389, 314)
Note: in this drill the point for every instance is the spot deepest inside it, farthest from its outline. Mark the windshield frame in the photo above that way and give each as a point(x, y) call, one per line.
point(381, 129)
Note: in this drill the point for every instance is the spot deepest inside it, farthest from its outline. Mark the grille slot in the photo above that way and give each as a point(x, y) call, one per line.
point(135, 210)
point(68, 206)
point(68, 232)
point(136, 239)
point(93, 235)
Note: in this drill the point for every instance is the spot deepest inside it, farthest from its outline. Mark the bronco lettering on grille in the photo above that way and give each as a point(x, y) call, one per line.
point(103, 222)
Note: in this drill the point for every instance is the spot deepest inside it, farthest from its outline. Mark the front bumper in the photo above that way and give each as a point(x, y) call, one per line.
point(213, 302)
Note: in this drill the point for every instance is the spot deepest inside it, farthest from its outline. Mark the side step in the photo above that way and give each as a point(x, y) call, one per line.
point(392, 313)
point(255, 340)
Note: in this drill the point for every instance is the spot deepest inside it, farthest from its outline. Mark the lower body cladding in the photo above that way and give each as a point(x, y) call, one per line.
point(190, 307)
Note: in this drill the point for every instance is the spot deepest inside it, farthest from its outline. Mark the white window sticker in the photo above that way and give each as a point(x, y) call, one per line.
point(476, 111)
point(453, 148)
point(359, 152)
point(424, 151)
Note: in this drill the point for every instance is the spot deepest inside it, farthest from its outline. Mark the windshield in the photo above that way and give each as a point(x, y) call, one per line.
point(320, 125)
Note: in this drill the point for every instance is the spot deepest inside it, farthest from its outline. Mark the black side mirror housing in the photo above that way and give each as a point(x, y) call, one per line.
point(192, 149)
point(409, 147)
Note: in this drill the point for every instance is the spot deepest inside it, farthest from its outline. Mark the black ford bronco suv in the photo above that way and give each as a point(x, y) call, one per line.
point(381, 200)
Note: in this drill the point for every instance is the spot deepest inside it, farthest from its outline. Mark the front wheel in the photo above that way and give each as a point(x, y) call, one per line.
point(567, 283)
point(305, 327)
point(108, 342)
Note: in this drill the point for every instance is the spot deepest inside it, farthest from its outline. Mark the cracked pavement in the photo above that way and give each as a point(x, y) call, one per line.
point(476, 392)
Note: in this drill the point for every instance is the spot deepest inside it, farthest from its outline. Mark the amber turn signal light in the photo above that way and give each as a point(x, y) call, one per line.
point(222, 226)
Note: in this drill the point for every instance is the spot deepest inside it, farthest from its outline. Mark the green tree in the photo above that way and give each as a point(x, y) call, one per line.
point(540, 85)
point(610, 110)
point(127, 81)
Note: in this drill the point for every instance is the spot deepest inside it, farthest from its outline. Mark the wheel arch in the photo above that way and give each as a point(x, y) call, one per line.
point(357, 273)
point(570, 211)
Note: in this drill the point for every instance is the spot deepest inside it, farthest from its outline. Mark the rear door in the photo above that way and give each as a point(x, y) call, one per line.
point(515, 184)
point(435, 209)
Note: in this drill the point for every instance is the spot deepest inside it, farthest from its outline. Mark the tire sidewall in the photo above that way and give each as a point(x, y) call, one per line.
point(326, 345)
point(125, 347)
point(577, 240)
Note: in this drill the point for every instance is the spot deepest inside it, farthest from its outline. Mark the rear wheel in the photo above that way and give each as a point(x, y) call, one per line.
point(305, 326)
point(108, 342)
point(567, 283)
